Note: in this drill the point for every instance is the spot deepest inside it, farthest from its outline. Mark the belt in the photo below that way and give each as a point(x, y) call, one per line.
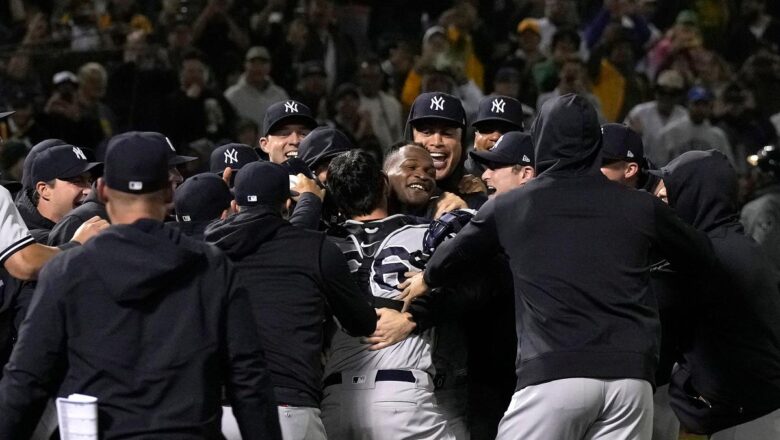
point(381, 376)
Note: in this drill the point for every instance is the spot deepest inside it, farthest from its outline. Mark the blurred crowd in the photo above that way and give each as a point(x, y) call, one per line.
point(683, 73)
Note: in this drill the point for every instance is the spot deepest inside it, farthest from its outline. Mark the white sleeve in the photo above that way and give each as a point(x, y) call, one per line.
point(13, 232)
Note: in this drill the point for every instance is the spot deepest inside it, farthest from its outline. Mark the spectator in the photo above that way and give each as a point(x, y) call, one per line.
point(351, 119)
point(324, 42)
point(196, 111)
point(397, 65)
point(19, 78)
point(557, 14)
point(681, 49)
point(63, 117)
point(572, 79)
point(24, 125)
point(650, 118)
point(255, 89)
point(693, 132)
point(615, 81)
point(12, 160)
point(382, 108)
point(221, 37)
point(508, 83)
point(92, 78)
point(564, 45)
point(761, 74)
point(624, 14)
point(752, 30)
point(178, 40)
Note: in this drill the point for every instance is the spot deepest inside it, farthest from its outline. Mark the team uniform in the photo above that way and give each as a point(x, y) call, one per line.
point(384, 394)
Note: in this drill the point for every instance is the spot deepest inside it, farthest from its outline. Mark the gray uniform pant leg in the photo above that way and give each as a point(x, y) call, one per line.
point(580, 408)
point(301, 423)
point(386, 410)
point(666, 426)
point(765, 427)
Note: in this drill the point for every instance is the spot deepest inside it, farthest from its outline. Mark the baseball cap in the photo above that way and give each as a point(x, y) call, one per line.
point(137, 162)
point(262, 183)
point(321, 144)
point(670, 79)
point(202, 197)
point(27, 179)
point(64, 76)
point(287, 112)
point(257, 52)
point(513, 148)
point(501, 109)
point(234, 156)
point(437, 106)
point(60, 162)
point(529, 24)
point(699, 93)
point(173, 158)
point(620, 142)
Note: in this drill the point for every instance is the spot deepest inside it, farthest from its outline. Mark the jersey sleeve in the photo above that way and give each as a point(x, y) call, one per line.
point(14, 235)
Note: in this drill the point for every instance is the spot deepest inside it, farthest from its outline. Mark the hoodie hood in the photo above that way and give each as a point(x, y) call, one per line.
point(567, 137)
point(241, 234)
point(323, 143)
point(702, 189)
point(121, 259)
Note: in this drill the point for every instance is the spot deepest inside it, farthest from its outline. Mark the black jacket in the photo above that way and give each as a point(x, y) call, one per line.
point(578, 248)
point(150, 322)
point(65, 228)
point(38, 225)
point(294, 276)
point(731, 352)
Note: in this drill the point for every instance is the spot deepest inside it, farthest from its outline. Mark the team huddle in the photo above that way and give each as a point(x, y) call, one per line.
point(548, 284)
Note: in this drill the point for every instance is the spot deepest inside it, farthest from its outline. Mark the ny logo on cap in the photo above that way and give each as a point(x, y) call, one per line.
point(186, 218)
point(79, 154)
point(291, 107)
point(629, 154)
point(231, 155)
point(526, 159)
point(498, 106)
point(437, 103)
point(170, 144)
point(135, 185)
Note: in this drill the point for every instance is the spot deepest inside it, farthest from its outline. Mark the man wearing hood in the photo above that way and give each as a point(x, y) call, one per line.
point(438, 122)
point(154, 343)
point(578, 249)
point(294, 276)
point(728, 380)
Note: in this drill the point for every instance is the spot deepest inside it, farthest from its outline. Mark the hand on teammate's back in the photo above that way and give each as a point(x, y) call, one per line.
point(392, 327)
point(89, 229)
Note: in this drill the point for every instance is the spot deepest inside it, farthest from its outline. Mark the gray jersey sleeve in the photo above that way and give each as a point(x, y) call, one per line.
point(13, 232)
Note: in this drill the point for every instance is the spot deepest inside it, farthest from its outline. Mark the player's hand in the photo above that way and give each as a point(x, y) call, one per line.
point(448, 202)
point(470, 184)
point(306, 185)
point(392, 327)
point(227, 175)
point(413, 287)
point(89, 229)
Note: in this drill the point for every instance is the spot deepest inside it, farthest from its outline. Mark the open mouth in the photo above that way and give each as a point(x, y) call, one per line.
point(291, 154)
point(418, 187)
point(491, 189)
point(439, 160)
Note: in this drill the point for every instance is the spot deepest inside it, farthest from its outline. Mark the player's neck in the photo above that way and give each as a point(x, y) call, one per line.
point(377, 214)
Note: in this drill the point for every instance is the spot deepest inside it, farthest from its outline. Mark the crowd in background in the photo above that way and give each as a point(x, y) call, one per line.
point(203, 72)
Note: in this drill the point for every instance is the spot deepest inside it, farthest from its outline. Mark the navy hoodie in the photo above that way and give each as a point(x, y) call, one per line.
point(730, 367)
point(578, 247)
point(294, 278)
point(151, 323)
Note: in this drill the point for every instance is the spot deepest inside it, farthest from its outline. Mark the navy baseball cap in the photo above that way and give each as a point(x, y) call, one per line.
point(234, 156)
point(620, 142)
point(513, 148)
point(501, 109)
point(137, 162)
point(321, 144)
point(27, 179)
point(437, 106)
point(288, 111)
point(202, 197)
point(699, 93)
point(60, 162)
point(262, 183)
point(4, 115)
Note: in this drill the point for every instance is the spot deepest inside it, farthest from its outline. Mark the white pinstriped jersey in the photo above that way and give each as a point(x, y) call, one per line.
point(390, 242)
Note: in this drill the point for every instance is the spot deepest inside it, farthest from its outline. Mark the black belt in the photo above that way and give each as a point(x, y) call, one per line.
point(381, 376)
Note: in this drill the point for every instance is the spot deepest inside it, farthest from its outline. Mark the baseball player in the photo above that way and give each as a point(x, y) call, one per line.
point(386, 393)
point(509, 163)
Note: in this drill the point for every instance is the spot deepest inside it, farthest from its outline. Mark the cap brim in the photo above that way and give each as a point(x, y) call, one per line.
point(178, 160)
point(497, 119)
point(6, 114)
point(79, 170)
point(438, 118)
point(489, 159)
point(305, 120)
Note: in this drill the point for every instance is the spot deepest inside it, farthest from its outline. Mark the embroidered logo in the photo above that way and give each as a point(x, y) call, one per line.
point(79, 154)
point(498, 106)
point(231, 156)
point(437, 103)
point(291, 107)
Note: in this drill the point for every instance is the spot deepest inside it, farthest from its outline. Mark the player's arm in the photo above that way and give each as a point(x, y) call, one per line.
point(24, 258)
point(686, 248)
point(352, 308)
point(37, 363)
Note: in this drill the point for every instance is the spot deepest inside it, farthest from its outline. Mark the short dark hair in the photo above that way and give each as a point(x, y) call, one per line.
point(356, 181)
point(566, 33)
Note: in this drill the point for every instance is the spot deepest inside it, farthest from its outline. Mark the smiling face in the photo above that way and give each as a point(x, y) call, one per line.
point(412, 176)
point(443, 141)
point(282, 142)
